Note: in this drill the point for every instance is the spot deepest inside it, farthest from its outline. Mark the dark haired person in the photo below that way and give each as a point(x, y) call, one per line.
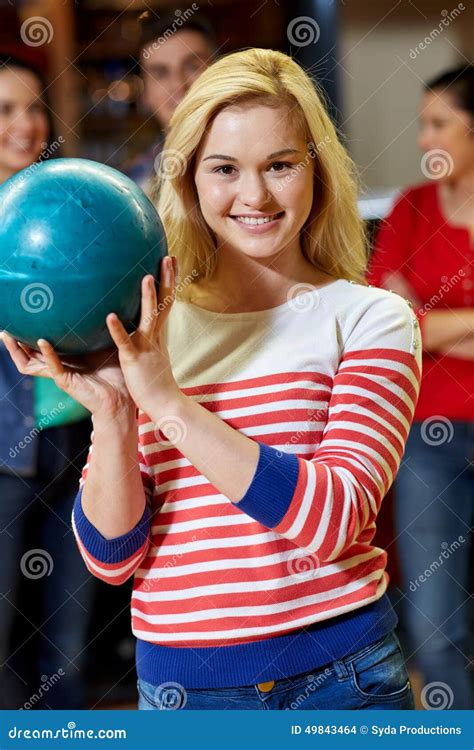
point(425, 251)
point(173, 51)
point(43, 434)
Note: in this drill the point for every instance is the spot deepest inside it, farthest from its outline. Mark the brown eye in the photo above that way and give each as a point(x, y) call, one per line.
point(281, 165)
point(217, 170)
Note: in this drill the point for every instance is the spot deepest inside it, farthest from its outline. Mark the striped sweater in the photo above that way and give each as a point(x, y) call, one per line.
point(286, 579)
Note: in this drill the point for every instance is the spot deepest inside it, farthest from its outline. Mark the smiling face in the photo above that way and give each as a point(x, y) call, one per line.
point(254, 180)
point(448, 128)
point(23, 121)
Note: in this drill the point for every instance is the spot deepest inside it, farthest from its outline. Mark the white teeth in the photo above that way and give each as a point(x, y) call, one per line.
point(254, 220)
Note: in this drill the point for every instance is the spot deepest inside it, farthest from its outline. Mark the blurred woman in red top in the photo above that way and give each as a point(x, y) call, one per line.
point(425, 252)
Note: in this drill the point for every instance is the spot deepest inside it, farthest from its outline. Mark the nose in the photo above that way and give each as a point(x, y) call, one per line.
point(423, 142)
point(426, 139)
point(178, 86)
point(253, 191)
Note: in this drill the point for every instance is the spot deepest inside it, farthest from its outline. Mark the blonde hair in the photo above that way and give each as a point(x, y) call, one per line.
point(333, 236)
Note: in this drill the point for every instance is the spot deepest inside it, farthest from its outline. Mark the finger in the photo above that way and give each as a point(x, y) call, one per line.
point(15, 351)
point(149, 304)
point(167, 288)
point(120, 337)
point(27, 349)
point(175, 268)
point(32, 354)
point(52, 361)
point(166, 277)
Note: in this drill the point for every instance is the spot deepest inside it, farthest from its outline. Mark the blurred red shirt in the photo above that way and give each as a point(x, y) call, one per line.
point(436, 258)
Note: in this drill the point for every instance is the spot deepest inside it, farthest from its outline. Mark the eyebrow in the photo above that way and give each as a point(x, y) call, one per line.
point(283, 151)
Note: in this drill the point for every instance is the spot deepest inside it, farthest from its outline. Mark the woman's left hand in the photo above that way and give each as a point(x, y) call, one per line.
point(143, 354)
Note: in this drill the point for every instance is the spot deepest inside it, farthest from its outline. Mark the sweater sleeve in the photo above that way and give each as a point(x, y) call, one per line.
point(112, 560)
point(325, 503)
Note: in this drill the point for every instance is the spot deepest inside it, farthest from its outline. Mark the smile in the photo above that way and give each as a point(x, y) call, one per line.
point(258, 220)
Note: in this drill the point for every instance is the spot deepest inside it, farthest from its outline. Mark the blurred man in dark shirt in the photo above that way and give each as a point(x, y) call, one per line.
point(174, 50)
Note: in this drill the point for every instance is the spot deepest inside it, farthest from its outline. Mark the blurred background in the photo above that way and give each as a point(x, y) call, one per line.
point(367, 57)
point(371, 59)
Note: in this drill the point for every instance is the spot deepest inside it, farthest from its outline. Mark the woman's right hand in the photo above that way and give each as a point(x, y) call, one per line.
point(94, 380)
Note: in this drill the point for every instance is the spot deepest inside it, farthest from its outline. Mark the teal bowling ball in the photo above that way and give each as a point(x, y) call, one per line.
point(76, 239)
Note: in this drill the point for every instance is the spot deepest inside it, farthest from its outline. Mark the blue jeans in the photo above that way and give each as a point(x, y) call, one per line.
point(54, 593)
point(373, 677)
point(434, 510)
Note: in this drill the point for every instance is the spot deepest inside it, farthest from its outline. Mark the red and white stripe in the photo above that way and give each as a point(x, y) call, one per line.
point(212, 575)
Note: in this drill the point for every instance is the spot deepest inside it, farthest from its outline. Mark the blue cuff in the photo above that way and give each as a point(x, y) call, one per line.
point(110, 550)
point(272, 488)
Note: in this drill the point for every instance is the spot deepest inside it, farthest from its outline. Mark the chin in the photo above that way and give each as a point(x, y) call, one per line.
point(261, 250)
point(22, 162)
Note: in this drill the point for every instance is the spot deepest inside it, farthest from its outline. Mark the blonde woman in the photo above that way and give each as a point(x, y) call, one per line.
point(275, 393)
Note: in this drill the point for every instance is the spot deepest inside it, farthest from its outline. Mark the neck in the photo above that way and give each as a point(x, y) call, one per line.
point(463, 183)
point(248, 282)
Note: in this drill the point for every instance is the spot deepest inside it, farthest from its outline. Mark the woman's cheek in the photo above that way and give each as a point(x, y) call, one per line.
point(42, 131)
point(217, 200)
point(297, 195)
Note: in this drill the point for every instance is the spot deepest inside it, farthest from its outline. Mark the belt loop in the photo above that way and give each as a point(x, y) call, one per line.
point(341, 670)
